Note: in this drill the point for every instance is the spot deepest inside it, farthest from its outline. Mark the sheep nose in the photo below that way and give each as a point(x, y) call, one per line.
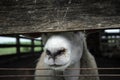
point(53, 57)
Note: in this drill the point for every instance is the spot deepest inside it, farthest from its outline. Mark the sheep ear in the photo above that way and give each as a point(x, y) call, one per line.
point(79, 32)
point(32, 35)
point(44, 37)
point(76, 32)
point(45, 34)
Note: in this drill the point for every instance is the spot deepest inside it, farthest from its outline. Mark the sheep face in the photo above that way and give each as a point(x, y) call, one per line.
point(62, 51)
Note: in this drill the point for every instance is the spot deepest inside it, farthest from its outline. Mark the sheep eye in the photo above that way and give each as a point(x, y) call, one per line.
point(60, 51)
point(48, 52)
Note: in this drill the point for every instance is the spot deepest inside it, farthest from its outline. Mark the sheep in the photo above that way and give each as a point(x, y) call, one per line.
point(65, 50)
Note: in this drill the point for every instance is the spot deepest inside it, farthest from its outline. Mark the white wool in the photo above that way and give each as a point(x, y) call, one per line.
point(54, 44)
point(75, 56)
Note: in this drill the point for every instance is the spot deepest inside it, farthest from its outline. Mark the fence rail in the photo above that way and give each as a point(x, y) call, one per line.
point(44, 75)
point(87, 75)
point(66, 69)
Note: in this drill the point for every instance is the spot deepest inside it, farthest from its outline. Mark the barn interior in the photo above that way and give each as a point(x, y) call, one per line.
point(105, 47)
point(20, 18)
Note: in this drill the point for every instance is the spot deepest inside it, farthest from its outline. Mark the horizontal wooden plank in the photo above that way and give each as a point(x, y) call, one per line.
point(36, 16)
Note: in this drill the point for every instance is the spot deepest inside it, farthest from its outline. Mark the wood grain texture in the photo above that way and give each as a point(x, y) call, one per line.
point(36, 16)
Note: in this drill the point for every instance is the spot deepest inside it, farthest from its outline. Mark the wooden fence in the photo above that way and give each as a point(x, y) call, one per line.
point(37, 16)
point(18, 44)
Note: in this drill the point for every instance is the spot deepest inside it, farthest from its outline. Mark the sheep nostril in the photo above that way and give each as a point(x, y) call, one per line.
point(52, 57)
point(48, 52)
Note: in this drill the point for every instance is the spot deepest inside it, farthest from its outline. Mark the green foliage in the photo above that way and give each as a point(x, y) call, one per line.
point(12, 50)
point(7, 51)
point(25, 49)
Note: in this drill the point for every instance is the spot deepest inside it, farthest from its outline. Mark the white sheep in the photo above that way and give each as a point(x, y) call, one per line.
point(65, 50)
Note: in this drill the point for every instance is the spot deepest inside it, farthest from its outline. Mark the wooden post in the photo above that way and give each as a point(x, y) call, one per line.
point(18, 46)
point(32, 46)
point(42, 45)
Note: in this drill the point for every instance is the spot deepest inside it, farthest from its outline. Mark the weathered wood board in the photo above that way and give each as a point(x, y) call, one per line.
point(32, 16)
